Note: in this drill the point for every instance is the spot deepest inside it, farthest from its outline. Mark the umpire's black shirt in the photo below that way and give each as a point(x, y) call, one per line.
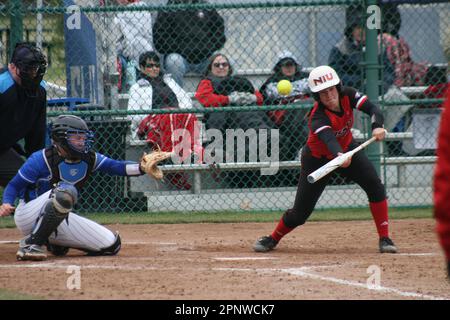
point(22, 115)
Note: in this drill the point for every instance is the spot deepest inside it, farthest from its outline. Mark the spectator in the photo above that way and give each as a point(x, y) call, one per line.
point(154, 90)
point(291, 123)
point(23, 109)
point(136, 37)
point(219, 88)
point(346, 57)
point(188, 38)
point(164, 130)
point(407, 72)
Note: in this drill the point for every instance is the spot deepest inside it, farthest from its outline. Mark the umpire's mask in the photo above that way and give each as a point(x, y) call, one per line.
point(31, 64)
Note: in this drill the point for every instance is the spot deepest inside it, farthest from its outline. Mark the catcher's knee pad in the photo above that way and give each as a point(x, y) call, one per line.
point(64, 197)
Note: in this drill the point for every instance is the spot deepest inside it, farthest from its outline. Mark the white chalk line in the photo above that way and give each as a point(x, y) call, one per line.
point(305, 273)
point(425, 254)
point(154, 243)
point(126, 242)
point(54, 265)
point(29, 265)
point(242, 258)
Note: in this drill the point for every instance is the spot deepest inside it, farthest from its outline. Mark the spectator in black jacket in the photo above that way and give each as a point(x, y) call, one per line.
point(347, 55)
point(22, 109)
point(291, 123)
point(188, 37)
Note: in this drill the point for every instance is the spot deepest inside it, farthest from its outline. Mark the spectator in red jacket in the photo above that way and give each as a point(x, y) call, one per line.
point(211, 92)
point(442, 182)
point(220, 88)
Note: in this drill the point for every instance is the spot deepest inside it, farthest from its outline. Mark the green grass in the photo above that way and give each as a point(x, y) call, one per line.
point(11, 295)
point(228, 217)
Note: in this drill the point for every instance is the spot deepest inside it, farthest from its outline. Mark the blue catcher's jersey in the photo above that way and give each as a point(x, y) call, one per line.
point(44, 168)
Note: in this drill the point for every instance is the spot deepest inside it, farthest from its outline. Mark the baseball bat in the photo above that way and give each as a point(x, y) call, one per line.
point(336, 162)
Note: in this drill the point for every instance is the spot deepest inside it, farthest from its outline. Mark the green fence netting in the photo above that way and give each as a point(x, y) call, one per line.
point(148, 73)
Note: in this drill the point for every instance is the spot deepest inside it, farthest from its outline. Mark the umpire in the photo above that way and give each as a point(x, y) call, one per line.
point(22, 109)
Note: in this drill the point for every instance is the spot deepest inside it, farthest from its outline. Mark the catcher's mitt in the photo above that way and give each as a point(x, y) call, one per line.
point(149, 163)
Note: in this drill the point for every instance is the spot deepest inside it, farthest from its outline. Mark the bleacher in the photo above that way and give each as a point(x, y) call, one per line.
point(401, 171)
point(309, 32)
point(400, 178)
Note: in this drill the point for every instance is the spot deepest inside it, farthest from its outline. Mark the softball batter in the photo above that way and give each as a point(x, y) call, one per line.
point(330, 123)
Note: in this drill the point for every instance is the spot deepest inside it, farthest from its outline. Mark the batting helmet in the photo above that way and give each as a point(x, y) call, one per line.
point(321, 78)
point(72, 134)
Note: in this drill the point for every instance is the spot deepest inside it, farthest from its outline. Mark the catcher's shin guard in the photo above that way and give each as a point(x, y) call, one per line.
point(55, 210)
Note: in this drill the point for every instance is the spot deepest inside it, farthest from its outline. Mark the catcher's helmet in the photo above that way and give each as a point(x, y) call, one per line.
point(31, 63)
point(321, 78)
point(72, 134)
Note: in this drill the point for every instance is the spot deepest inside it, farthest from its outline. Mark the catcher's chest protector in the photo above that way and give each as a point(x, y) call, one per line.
point(75, 173)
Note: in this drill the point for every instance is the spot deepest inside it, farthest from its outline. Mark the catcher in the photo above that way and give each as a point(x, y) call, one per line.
point(47, 186)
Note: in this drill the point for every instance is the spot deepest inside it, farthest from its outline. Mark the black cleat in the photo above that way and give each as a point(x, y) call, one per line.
point(387, 246)
point(32, 252)
point(264, 244)
point(56, 250)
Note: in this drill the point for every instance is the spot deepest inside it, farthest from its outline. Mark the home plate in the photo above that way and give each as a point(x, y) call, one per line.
point(243, 258)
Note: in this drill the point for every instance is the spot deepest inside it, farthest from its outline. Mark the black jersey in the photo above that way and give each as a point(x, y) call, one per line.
point(22, 116)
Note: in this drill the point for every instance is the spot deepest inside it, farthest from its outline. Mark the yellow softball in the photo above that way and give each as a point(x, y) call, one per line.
point(284, 87)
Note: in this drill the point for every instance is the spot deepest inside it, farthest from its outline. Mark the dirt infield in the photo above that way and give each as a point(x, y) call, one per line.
point(321, 260)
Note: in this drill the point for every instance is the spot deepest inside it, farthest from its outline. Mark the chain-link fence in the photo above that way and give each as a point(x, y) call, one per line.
point(202, 78)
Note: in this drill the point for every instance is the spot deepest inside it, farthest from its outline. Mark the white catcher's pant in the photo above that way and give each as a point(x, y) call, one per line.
point(77, 232)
